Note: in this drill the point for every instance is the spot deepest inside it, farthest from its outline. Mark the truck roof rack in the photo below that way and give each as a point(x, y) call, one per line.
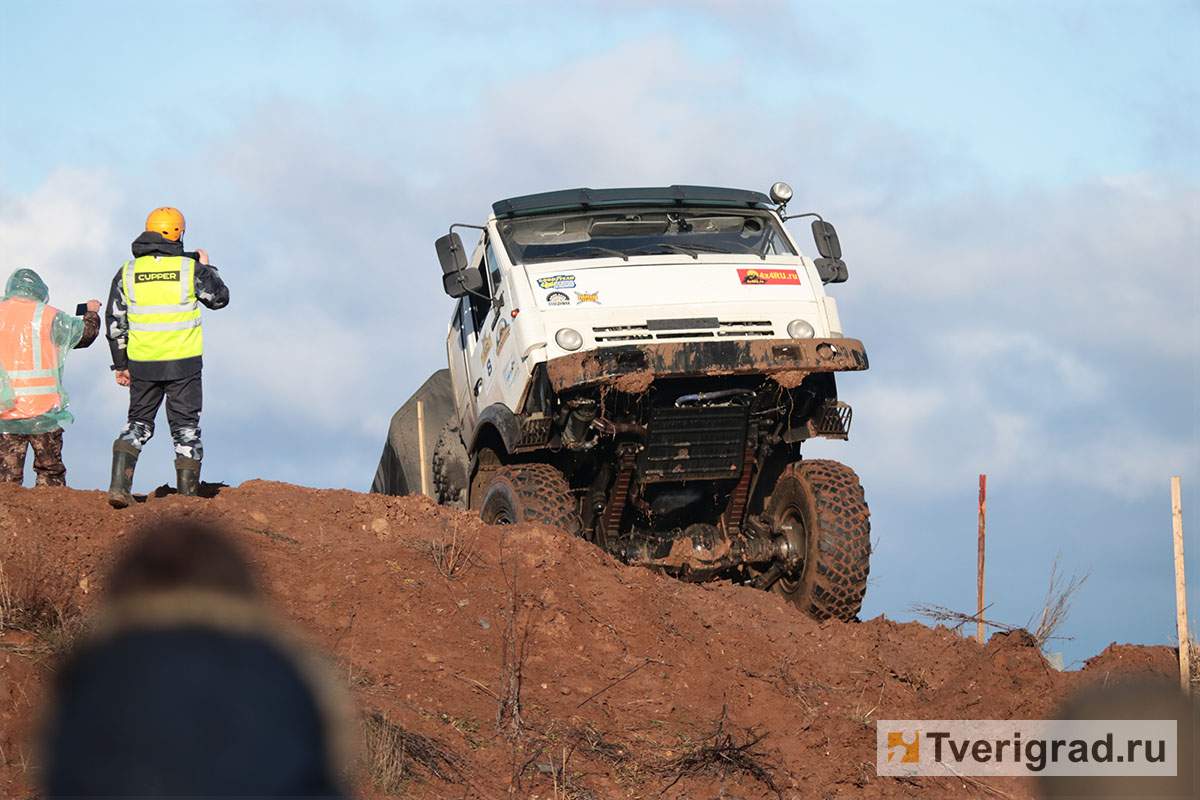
point(567, 199)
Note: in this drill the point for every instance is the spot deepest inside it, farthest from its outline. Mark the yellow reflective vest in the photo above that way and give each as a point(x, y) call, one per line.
point(161, 307)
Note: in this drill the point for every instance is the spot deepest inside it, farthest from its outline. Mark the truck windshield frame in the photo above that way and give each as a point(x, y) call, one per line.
point(639, 231)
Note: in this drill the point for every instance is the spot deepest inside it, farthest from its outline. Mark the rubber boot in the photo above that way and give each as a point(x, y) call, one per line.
point(125, 458)
point(187, 475)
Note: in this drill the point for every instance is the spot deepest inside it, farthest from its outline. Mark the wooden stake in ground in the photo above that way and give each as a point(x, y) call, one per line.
point(982, 537)
point(1185, 665)
point(421, 446)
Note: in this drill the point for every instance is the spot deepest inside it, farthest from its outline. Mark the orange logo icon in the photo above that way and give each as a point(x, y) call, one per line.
point(911, 751)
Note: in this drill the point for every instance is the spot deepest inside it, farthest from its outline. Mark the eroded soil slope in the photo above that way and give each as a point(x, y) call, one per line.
point(495, 662)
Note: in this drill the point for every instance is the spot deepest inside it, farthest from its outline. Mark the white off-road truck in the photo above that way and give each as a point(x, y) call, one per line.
point(641, 367)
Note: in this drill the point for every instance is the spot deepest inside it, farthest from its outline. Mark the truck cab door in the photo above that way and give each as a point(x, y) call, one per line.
point(460, 378)
point(476, 345)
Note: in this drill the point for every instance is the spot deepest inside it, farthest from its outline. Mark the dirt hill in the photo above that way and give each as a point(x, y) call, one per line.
point(494, 662)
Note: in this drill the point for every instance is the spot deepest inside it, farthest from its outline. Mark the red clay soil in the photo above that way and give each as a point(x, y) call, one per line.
point(537, 666)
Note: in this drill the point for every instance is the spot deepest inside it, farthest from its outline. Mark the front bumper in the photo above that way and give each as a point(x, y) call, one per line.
point(633, 367)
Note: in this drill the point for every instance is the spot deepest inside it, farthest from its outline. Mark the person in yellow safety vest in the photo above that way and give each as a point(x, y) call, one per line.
point(153, 326)
point(34, 341)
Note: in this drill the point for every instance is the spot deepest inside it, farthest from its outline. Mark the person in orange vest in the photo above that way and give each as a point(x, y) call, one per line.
point(153, 326)
point(35, 338)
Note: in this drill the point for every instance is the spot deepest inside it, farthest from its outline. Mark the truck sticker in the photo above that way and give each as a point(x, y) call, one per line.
point(759, 277)
point(485, 349)
point(502, 335)
point(588, 297)
point(558, 299)
point(510, 371)
point(557, 282)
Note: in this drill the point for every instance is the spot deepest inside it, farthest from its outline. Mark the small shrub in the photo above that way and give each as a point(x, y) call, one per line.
point(393, 755)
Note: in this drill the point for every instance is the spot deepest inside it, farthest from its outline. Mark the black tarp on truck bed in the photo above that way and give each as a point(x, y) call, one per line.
point(399, 470)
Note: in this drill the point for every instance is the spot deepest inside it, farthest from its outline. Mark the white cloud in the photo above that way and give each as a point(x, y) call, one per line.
point(63, 230)
point(318, 370)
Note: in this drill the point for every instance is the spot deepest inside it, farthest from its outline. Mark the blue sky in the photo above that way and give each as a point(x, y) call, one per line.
point(1016, 185)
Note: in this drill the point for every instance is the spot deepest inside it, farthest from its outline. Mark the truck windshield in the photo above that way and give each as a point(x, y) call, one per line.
point(650, 231)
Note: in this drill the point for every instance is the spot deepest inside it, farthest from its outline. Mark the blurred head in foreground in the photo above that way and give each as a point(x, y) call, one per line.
point(1141, 699)
point(187, 687)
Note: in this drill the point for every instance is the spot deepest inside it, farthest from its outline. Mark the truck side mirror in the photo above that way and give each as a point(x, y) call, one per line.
point(827, 239)
point(831, 270)
point(451, 253)
point(457, 280)
point(830, 267)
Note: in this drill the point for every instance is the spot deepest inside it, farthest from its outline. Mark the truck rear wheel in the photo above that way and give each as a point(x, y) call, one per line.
point(450, 467)
point(530, 493)
point(819, 507)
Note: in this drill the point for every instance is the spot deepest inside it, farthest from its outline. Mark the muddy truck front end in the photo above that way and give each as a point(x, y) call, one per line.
point(641, 367)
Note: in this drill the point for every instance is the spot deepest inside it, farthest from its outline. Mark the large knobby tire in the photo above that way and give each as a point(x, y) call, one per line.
point(530, 493)
point(819, 506)
point(450, 467)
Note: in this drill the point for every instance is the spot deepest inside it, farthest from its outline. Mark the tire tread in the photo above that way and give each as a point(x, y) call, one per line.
point(844, 538)
point(543, 495)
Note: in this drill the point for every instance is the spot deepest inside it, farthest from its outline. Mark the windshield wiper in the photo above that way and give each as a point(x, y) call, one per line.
point(760, 253)
point(597, 248)
point(708, 248)
point(694, 250)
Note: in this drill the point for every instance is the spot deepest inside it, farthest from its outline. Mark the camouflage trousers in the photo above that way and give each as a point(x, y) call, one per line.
point(47, 457)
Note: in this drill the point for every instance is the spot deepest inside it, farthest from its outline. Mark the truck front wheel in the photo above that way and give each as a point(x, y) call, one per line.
point(819, 507)
point(530, 493)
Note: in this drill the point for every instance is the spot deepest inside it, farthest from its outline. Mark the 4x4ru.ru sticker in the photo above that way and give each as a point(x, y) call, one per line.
point(760, 277)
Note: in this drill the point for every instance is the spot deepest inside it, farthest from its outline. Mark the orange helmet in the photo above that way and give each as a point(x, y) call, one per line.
point(167, 221)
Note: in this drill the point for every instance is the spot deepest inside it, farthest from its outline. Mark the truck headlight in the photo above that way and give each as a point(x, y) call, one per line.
point(800, 329)
point(570, 339)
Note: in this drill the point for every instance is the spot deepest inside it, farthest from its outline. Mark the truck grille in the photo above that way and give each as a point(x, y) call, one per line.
point(661, 329)
point(694, 444)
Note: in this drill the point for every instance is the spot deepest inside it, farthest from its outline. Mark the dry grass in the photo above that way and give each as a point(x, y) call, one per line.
point(454, 556)
point(721, 752)
point(588, 740)
point(514, 638)
point(957, 619)
point(1059, 598)
point(916, 680)
point(1043, 626)
point(549, 753)
point(8, 604)
point(36, 608)
point(394, 756)
point(861, 714)
point(714, 750)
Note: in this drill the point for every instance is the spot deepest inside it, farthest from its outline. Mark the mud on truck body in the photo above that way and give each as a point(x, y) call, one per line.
point(640, 367)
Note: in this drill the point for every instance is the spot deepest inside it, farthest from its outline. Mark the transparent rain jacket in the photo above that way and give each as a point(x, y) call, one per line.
point(24, 287)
